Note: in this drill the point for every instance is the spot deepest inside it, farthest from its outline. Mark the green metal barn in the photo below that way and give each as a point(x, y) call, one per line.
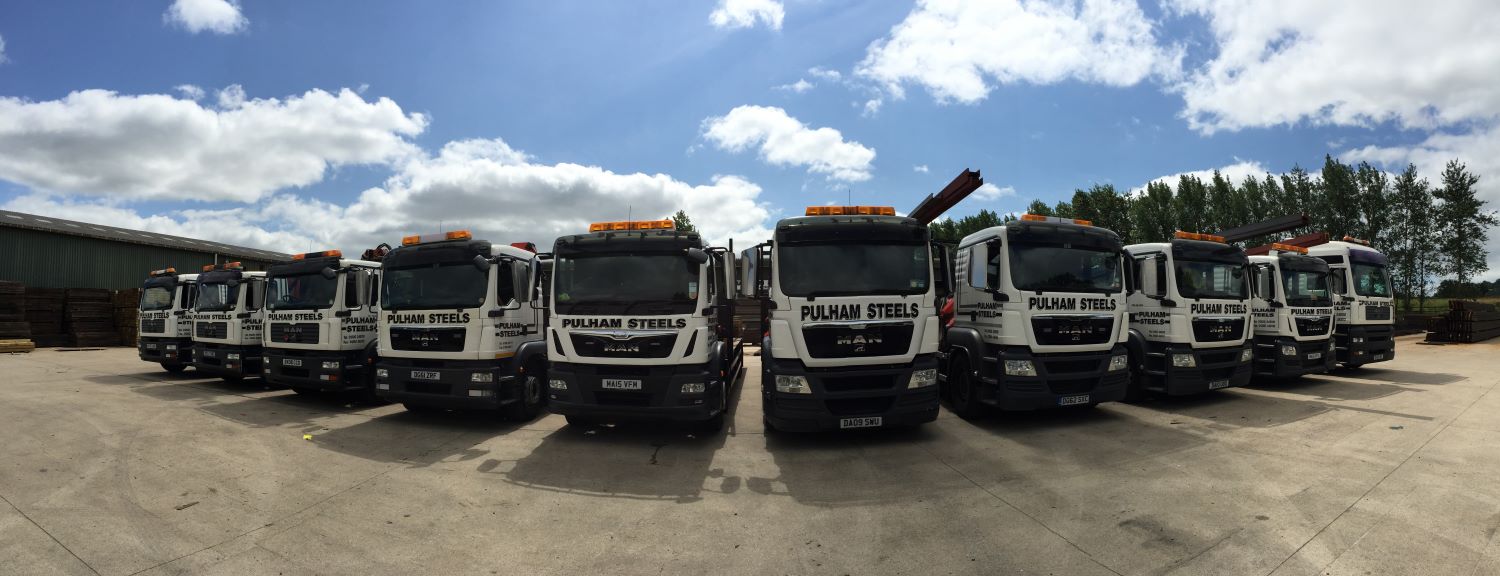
point(47, 252)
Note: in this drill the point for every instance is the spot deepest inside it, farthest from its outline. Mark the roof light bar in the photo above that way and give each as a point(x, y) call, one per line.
point(851, 211)
point(437, 237)
point(1288, 248)
point(1348, 238)
point(1041, 218)
point(632, 225)
point(325, 253)
point(163, 272)
point(1199, 236)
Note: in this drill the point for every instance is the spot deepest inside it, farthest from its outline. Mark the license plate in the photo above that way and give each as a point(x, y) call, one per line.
point(150, 346)
point(1073, 400)
point(617, 384)
point(1314, 355)
point(291, 362)
point(426, 375)
point(867, 422)
point(1380, 356)
point(209, 354)
point(1217, 384)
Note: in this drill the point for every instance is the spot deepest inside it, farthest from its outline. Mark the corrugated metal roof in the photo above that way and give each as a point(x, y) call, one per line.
point(60, 226)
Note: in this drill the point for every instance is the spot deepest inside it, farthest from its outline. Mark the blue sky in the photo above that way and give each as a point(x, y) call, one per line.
point(592, 109)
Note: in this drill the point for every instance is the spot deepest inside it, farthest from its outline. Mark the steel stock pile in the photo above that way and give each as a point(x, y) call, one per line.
point(1466, 321)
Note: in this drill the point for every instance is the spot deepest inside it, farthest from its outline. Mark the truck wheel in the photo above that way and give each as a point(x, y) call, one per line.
point(173, 368)
point(964, 395)
point(531, 399)
point(1135, 388)
point(711, 426)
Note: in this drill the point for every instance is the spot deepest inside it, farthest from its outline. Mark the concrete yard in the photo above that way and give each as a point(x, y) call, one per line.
point(111, 466)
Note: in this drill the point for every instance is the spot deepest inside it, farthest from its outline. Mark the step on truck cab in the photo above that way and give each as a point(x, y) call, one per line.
point(166, 325)
point(1040, 319)
point(642, 326)
point(228, 321)
point(321, 323)
point(1292, 312)
point(849, 301)
point(460, 326)
point(1364, 331)
point(1189, 316)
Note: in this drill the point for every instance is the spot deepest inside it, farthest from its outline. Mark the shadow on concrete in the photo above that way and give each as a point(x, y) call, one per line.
point(1395, 376)
point(663, 461)
point(1227, 409)
point(1332, 389)
point(855, 467)
point(418, 440)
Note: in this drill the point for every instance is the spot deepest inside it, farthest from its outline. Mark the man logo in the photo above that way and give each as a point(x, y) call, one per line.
point(858, 341)
point(623, 348)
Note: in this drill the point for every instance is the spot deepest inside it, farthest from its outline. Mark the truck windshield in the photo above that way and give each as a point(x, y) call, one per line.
point(1371, 280)
point(836, 269)
point(1306, 288)
point(217, 297)
point(1211, 280)
point(625, 282)
point(300, 292)
point(434, 286)
point(156, 298)
point(1056, 268)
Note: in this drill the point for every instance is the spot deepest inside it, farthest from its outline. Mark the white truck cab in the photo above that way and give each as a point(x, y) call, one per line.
point(166, 325)
point(461, 326)
point(1365, 330)
point(228, 321)
point(1039, 318)
point(321, 323)
point(1292, 312)
point(1189, 316)
point(642, 326)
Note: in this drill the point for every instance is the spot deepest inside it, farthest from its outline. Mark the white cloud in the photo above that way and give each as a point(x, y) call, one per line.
point(956, 49)
point(1235, 173)
point(822, 73)
point(921, 169)
point(784, 141)
point(990, 192)
point(801, 86)
point(733, 14)
point(1287, 61)
point(190, 91)
point(871, 107)
point(155, 146)
point(2, 50)
point(217, 16)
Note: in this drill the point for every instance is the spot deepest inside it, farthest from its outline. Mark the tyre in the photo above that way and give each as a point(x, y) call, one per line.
point(578, 421)
point(531, 399)
point(174, 368)
point(964, 394)
point(710, 426)
point(1135, 388)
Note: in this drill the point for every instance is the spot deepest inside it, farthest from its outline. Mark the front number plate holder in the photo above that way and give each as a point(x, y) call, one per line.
point(1073, 400)
point(865, 422)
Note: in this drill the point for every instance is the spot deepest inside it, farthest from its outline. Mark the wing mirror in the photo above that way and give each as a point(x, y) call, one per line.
point(232, 282)
point(329, 273)
point(481, 263)
point(696, 255)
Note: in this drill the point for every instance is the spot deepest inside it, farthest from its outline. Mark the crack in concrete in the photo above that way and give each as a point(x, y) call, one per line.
point(49, 534)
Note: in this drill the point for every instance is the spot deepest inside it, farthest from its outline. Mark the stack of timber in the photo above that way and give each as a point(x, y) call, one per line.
point(89, 317)
point(747, 320)
point(127, 314)
point(44, 311)
point(1466, 321)
point(15, 331)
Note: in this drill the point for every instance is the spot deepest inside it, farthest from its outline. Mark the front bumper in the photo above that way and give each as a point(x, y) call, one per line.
point(853, 392)
point(304, 369)
point(1059, 376)
point(1214, 369)
point(164, 350)
point(660, 396)
point(226, 360)
point(1377, 343)
point(446, 383)
point(1312, 357)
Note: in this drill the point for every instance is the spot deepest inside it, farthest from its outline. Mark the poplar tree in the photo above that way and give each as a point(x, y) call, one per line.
point(1462, 222)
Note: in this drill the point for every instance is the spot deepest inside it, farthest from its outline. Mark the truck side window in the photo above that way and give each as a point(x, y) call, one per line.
point(1265, 289)
point(256, 295)
point(374, 297)
point(351, 288)
point(505, 284)
point(976, 272)
point(992, 267)
point(1338, 281)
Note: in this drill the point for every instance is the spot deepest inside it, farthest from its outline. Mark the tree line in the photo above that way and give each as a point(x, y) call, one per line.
point(1428, 231)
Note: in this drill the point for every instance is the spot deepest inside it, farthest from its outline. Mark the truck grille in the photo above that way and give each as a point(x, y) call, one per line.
point(1377, 313)
point(428, 339)
point(294, 333)
point(1218, 329)
point(852, 341)
point(1309, 326)
point(1072, 330)
point(154, 326)
point(853, 383)
point(638, 347)
point(218, 330)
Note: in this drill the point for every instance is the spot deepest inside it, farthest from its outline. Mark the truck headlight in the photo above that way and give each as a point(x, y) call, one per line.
point(232, 356)
point(922, 378)
point(1118, 363)
point(1359, 340)
point(382, 373)
point(1019, 368)
point(1184, 361)
point(382, 386)
point(1246, 355)
point(482, 377)
point(332, 365)
point(171, 346)
point(694, 388)
point(558, 384)
point(1288, 350)
point(792, 385)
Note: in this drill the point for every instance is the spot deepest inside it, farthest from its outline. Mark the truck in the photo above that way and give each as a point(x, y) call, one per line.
point(228, 321)
point(1292, 313)
point(1364, 331)
point(1189, 316)
point(849, 300)
point(1040, 318)
point(321, 324)
point(642, 326)
point(460, 324)
point(165, 319)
